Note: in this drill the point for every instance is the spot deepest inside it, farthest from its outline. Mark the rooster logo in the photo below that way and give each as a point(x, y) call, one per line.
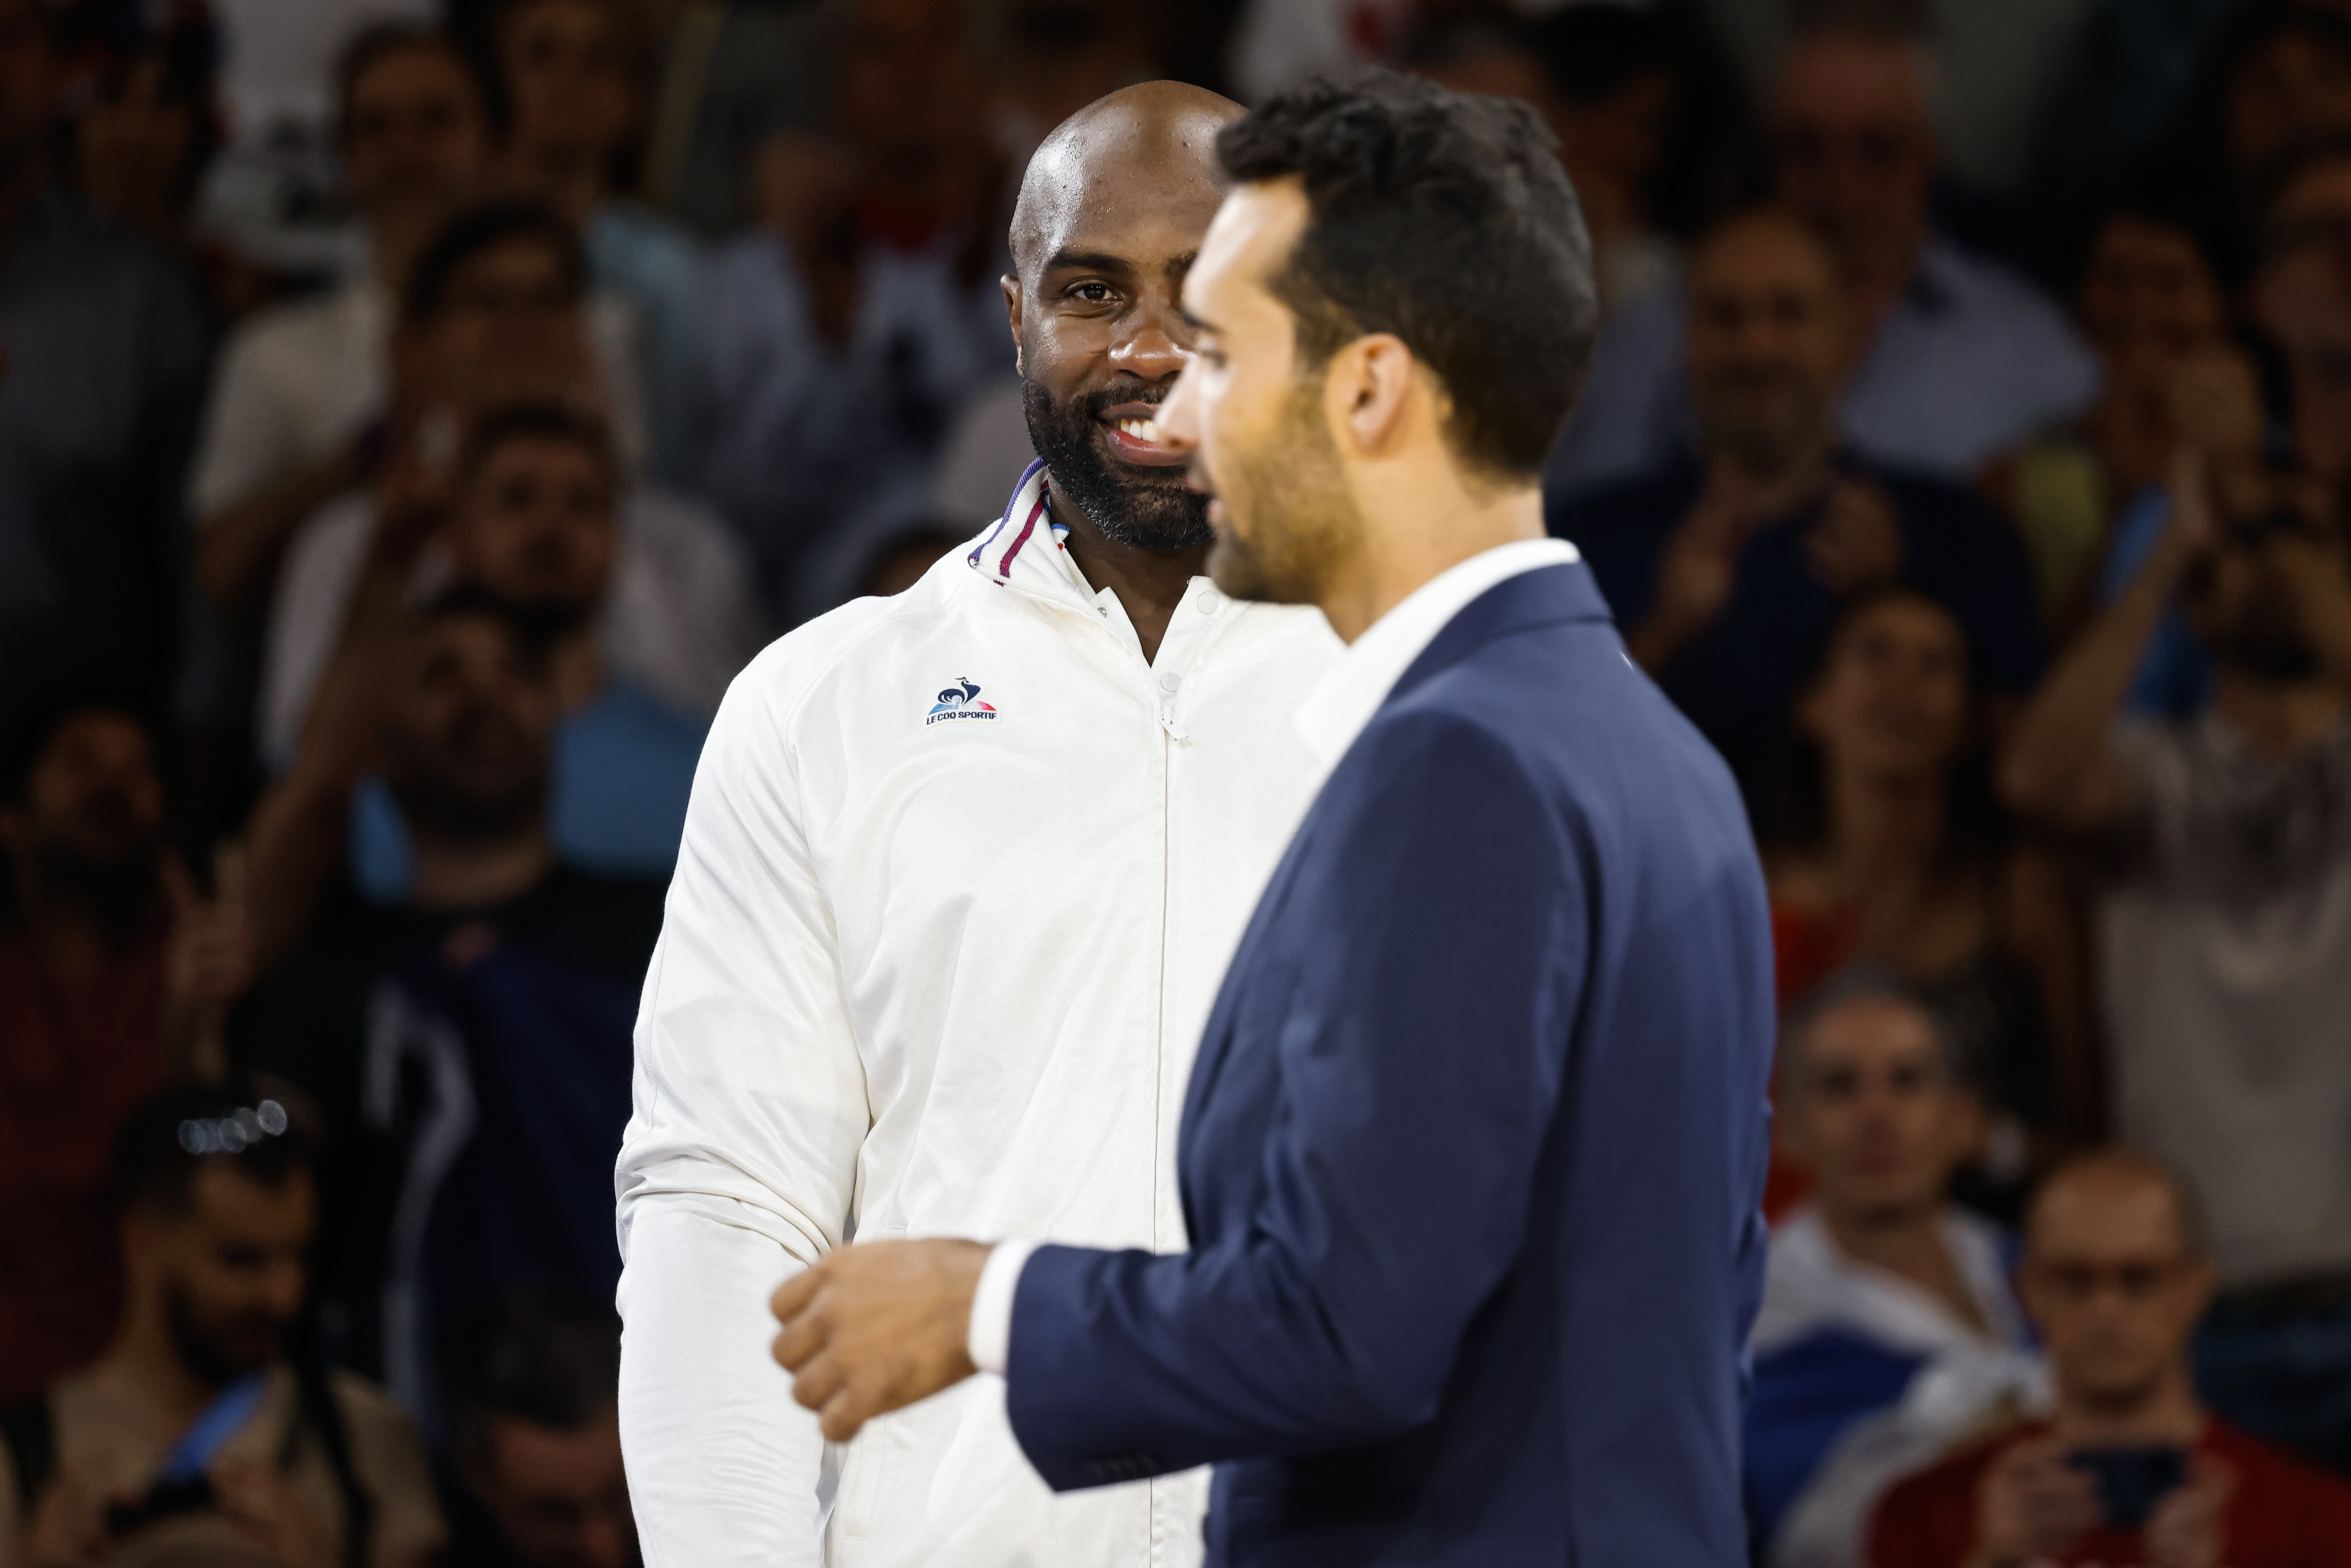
point(959, 701)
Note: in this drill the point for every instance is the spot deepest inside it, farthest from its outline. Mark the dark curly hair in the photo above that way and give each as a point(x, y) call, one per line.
point(1443, 218)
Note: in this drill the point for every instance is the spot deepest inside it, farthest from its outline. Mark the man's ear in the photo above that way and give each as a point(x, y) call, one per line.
point(1011, 287)
point(1369, 390)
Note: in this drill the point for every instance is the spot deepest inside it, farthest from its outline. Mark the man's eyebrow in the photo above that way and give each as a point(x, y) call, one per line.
point(1177, 265)
point(1087, 261)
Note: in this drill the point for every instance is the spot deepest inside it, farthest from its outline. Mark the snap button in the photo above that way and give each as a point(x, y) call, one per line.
point(1170, 681)
point(1207, 602)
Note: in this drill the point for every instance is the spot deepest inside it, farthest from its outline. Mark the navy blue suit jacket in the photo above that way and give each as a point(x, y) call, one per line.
point(1473, 1151)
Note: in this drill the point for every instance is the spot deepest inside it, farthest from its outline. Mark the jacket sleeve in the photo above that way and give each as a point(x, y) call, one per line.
point(739, 1164)
point(1429, 945)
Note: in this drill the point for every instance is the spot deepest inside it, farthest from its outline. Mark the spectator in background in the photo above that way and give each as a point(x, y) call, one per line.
point(102, 351)
point(1726, 566)
point(573, 75)
point(209, 1427)
point(531, 527)
point(2153, 307)
point(496, 316)
point(1887, 848)
point(534, 1387)
point(471, 1043)
point(2275, 81)
point(149, 128)
point(866, 309)
point(114, 975)
point(1954, 361)
point(2130, 1467)
point(1887, 1327)
point(293, 415)
point(2225, 925)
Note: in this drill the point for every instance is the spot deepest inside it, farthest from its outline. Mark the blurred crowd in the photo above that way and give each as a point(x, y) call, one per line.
point(413, 414)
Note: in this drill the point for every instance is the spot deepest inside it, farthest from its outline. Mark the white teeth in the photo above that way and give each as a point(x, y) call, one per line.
point(1141, 429)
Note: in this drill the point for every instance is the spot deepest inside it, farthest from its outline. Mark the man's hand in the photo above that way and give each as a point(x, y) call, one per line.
point(68, 1528)
point(2032, 1504)
point(263, 1508)
point(872, 1329)
point(2189, 1528)
point(1698, 570)
point(1856, 543)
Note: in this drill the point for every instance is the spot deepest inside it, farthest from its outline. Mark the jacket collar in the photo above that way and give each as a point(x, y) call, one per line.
point(1025, 551)
point(1544, 597)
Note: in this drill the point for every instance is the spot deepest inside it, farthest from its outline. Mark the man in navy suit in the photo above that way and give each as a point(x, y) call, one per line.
point(1473, 1148)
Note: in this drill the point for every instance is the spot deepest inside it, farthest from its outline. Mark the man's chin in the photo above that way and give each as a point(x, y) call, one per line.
point(1239, 573)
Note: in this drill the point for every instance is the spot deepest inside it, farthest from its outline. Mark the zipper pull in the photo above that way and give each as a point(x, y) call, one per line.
point(1168, 721)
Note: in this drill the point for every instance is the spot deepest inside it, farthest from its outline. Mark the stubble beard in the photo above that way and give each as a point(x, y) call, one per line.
point(1302, 523)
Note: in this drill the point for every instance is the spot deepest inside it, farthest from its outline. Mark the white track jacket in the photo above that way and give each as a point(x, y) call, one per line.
point(959, 880)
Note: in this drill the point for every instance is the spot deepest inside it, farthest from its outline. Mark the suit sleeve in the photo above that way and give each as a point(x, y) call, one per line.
point(1430, 945)
point(737, 1166)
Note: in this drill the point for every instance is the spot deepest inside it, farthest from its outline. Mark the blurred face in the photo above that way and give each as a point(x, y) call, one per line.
point(534, 526)
point(465, 730)
point(230, 1275)
point(2109, 1278)
point(93, 810)
point(2304, 301)
point(414, 135)
point(1107, 240)
point(2147, 290)
point(1250, 419)
point(1618, 137)
point(28, 88)
point(566, 67)
point(905, 88)
point(560, 1496)
point(1891, 702)
point(1765, 344)
point(1868, 1104)
point(1854, 148)
point(509, 328)
point(2295, 89)
point(2238, 595)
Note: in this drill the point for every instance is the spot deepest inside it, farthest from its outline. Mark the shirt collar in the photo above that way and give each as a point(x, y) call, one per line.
point(1343, 701)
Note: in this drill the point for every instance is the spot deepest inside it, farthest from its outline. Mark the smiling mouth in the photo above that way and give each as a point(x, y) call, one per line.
point(1133, 438)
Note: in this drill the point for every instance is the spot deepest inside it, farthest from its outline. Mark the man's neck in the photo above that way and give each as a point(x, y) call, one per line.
point(1417, 544)
point(76, 936)
point(1877, 281)
point(569, 179)
point(1789, 479)
point(143, 1363)
point(457, 872)
point(1887, 832)
point(1149, 583)
point(2167, 1415)
point(2279, 718)
point(1908, 1243)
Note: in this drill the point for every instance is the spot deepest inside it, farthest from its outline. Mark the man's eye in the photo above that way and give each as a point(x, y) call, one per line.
point(1093, 293)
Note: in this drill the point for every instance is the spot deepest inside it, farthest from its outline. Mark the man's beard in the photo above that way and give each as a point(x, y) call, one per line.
point(1293, 493)
point(214, 1363)
point(1163, 515)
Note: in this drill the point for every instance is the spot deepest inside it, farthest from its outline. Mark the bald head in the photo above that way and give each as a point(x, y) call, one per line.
point(1154, 142)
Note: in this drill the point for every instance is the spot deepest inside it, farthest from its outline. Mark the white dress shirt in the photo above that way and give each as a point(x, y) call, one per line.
point(960, 878)
point(1333, 713)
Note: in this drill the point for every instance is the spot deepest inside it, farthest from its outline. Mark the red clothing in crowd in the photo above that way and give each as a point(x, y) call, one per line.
point(2284, 1513)
point(1807, 948)
point(73, 1060)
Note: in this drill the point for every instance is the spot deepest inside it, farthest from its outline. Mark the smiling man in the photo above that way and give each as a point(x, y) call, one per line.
point(961, 872)
point(1472, 1154)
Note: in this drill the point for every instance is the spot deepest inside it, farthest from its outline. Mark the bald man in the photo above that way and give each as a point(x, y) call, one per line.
point(962, 870)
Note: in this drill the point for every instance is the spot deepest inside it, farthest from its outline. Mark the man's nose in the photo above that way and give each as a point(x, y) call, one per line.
point(1152, 351)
